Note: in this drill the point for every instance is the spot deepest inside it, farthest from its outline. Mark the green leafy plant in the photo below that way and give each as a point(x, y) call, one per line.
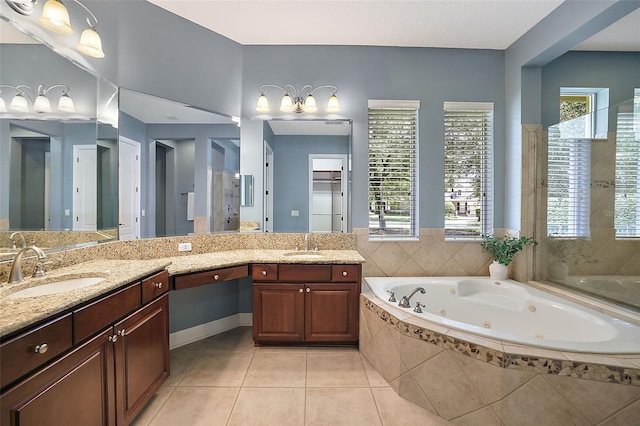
point(504, 248)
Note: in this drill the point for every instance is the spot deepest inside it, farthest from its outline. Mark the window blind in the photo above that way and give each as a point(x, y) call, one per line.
point(468, 169)
point(627, 187)
point(568, 184)
point(393, 134)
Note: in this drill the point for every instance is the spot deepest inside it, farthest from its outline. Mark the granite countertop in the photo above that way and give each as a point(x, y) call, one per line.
point(16, 314)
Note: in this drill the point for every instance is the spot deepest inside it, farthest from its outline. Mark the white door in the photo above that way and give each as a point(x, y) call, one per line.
point(128, 188)
point(327, 192)
point(85, 188)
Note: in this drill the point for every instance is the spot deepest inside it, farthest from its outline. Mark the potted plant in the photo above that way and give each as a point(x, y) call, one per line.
point(503, 249)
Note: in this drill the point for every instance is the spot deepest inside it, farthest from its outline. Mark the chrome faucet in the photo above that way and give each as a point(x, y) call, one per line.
point(306, 242)
point(15, 276)
point(404, 302)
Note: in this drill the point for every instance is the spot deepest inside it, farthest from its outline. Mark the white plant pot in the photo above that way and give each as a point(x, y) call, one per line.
point(498, 271)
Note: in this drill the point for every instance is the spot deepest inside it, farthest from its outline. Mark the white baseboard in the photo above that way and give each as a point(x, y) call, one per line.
point(202, 331)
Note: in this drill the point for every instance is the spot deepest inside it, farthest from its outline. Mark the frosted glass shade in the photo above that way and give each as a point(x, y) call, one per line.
point(90, 44)
point(66, 104)
point(287, 104)
point(19, 104)
point(56, 18)
point(310, 104)
point(42, 104)
point(263, 104)
point(333, 105)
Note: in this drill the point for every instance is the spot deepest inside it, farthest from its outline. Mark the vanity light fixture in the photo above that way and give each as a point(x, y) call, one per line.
point(25, 95)
point(298, 101)
point(55, 18)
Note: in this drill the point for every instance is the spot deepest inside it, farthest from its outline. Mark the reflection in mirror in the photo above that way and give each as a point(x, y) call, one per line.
point(246, 190)
point(47, 193)
point(188, 171)
point(310, 186)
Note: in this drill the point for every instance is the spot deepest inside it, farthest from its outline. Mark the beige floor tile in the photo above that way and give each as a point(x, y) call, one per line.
point(218, 369)
point(395, 410)
point(196, 347)
point(335, 369)
point(196, 406)
point(341, 406)
point(285, 369)
point(153, 406)
point(237, 340)
point(374, 378)
point(269, 407)
point(180, 363)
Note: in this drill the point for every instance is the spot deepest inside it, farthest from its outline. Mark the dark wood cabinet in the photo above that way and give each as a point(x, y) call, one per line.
point(306, 304)
point(105, 377)
point(77, 389)
point(141, 357)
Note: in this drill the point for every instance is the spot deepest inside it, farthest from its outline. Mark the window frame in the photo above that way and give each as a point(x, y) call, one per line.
point(410, 177)
point(485, 165)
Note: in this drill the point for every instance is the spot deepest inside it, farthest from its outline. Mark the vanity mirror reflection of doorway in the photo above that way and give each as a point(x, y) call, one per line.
point(327, 192)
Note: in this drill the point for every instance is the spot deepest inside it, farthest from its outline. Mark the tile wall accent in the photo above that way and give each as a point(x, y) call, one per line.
point(469, 383)
point(430, 255)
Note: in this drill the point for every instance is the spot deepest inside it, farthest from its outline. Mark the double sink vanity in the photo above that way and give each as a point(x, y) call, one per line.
point(89, 343)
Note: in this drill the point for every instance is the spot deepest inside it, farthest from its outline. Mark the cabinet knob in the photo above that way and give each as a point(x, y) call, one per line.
point(300, 290)
point(113, 338)
point(308, 289)
point(264, 273)
point(216, 276)
point(158, 285)
point(121, 332)
point(40, 349)
point(345, 273)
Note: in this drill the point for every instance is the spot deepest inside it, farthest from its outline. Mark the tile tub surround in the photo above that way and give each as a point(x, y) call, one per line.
point(473, 380)
point(155, 248)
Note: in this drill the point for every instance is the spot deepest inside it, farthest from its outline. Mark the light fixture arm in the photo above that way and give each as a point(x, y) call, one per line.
point(90, 13)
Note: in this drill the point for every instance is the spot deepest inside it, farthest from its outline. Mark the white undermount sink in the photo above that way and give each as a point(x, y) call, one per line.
point(304, 255)
point(55, 287)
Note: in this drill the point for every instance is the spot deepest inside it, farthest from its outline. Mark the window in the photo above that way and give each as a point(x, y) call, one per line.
point(627, 185)
point(568, 184)
point(393, 152)
point(584, 112)
point(468, 169)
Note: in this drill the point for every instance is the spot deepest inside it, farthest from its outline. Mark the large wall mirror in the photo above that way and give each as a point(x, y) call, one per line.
point(308, 180)
point(188, 173)
point(59, 168)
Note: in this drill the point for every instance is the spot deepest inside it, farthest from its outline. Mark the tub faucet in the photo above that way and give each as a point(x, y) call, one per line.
point(15, 276)
point(418, 308)
point(404, 302)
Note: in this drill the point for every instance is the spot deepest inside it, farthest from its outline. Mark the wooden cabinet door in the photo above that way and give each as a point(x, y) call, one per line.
point(278, 313)
point(77, 389)
point(331, 313)
point(141, 357)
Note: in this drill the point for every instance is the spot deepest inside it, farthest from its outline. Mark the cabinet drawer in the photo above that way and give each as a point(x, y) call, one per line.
point(304, 273)
point(154, 286)
point(96, 316)
point(264, 272)
point(208, 277)
point(345, 273)
point(20, 355)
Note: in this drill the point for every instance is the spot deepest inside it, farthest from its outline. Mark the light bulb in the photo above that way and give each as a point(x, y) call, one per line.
point(56, 18)
point(42, 104)
point(263, 103)
point(310, 104)
point(333, 105)
point(90, 44)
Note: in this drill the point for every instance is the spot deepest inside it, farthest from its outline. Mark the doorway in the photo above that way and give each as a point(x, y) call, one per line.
point(327, 192)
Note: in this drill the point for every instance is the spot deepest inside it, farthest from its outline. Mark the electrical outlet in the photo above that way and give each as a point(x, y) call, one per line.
point(184, 246)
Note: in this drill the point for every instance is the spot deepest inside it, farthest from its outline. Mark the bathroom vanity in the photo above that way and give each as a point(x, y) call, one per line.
point(116, 355)
point(313, 304)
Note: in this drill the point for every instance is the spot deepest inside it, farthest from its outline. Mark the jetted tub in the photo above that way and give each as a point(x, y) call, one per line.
point(510, 311)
